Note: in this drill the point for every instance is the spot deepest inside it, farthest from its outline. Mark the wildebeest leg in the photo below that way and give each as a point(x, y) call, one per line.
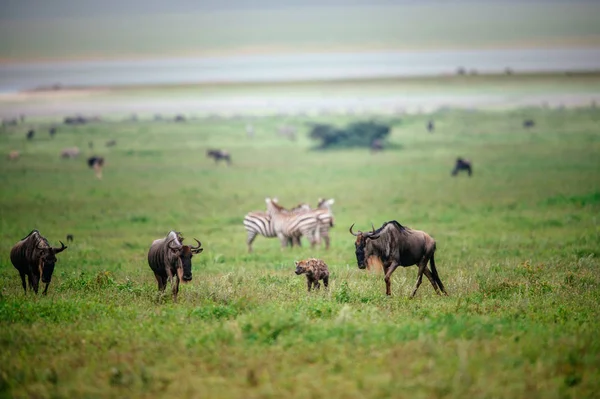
point(177, 278)
point(422, 268)
point(46, 289)
point(326, 282)
point(431, 280)
point(33, 282)
point(23, 281)
point(388, 277)
point(162, 282)
point(436, 275)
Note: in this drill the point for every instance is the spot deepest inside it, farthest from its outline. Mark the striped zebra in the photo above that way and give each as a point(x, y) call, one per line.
point(325, 216)
point(293, 226)
point(260, 223)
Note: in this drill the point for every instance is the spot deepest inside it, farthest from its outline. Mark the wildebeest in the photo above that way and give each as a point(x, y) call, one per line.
point(462, 164)
point(217, 155)
point(69, 237)
point(14, 155)
point(75, 120)
point(396, 245)
point(170, 260)
point(430, 126)
point(30, 134)
point(111, 143)
point(315, 270)
point(527, 123)
point(179, 118)
point(72, 152)
point(34, 257)
point(10, 122)
point(376, 145)
point(52, 132)
point(96, 163)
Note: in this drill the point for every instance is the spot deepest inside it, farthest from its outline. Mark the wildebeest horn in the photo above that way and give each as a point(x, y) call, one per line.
point(198, 248)
point(354, 234)
point(62, 248)
point(170, 247)
point(372, 234)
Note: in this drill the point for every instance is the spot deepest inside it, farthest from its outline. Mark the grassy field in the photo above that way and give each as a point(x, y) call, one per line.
point(518, 250)
point(429, 25)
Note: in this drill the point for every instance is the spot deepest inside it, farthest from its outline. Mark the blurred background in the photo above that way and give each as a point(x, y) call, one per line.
point(65, 44)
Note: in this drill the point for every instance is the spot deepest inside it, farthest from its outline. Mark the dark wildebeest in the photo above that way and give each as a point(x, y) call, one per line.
point(69, 237)
point(111, 143)
point(75, 120)
point(217, 155)
point(376, 145)
point(33, 256)
point(52, 132)
point(430, 126)
point(527, 123)
point(462, 164)
point(170, 260)
point(179, 118)
point(396, 245)
point(30, 134)
point(96, 163)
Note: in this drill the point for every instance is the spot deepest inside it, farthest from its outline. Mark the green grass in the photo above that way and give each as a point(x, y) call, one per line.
point(518, 250)
point(464, 24)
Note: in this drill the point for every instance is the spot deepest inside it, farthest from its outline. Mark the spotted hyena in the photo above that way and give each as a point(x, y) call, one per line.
point(315, 270)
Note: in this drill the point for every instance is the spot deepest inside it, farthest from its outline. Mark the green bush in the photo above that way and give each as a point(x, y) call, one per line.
point(358, 134)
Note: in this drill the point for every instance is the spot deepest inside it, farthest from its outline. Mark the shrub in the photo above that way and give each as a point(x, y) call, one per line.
point(358, 134)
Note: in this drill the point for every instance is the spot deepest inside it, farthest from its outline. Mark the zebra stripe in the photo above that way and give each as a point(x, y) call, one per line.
point(260, 223)
point(288, 225)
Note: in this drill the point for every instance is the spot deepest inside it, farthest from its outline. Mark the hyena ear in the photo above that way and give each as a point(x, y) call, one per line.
point(296, 262)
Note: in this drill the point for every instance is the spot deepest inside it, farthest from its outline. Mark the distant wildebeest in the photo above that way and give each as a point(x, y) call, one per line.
point(315, 270)
point(217, 155)
point(52, 132)
point(75, 120)
point(288, 132)
point(508, 71)
point(170, 260)
point(30, 134)
point(69, 237)
point(72, 152)
point(461, 71)
point(33, 256)
point(396, 245)
point(96, 163)
point(376, 145)
point(528, 123)
point(14, 155)
point(111, 143)
point(10, 122)
point(430, 126)
point(462, 164)
point(179, 118)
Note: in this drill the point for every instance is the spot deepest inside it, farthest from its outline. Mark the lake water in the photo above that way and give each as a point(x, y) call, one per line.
point(318, 66)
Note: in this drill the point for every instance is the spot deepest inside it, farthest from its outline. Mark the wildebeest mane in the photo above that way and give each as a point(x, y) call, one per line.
point(43, 239)
point(395, 224)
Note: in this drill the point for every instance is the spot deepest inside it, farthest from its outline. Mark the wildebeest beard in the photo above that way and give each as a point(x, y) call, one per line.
point(48, 268)
point(360, 253)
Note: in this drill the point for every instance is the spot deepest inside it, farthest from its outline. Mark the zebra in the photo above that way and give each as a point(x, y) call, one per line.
point(258, 222)
point(288, 225)
point(325, 216)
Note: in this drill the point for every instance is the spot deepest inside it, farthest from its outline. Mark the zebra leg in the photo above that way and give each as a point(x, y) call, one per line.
point(251, 236)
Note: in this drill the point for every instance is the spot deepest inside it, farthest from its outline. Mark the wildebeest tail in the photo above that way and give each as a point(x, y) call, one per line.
point(435, 274)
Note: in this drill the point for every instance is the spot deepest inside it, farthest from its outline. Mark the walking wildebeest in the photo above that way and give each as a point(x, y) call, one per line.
point(430, 126)
point(33, 256)
point(462, 164)
point(30, 134)
point(170, 260)
point(52, 132)
point(527, 123)
point(396, 245)
point(96, 163)
point(217, 155)
point(72, 152)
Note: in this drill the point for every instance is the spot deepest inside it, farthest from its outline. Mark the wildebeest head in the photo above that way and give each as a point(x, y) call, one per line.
point(361, 242)
point(48, 260)
point(185, 254)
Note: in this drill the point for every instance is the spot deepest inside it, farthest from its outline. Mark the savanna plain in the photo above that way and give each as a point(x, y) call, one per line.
point(518, 247)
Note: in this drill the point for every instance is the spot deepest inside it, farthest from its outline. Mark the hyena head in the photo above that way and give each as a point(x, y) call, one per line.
point(302, 267)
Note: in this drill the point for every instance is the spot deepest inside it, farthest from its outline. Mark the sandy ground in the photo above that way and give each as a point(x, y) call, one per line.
point(94, 102)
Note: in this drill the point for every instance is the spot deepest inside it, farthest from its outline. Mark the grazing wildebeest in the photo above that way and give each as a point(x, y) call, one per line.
point(527, 123)
point(14, 155)
point(170, 260)
point(217, 155)
point(179, 118)
point(75, 120)
point(462, 164)
point(315, 270)
point(430, 126)
point(396, 245)
point(96, 163)
point(33, 256)
point(30, 134)
point(52, 132)
point(69, 237)
point(376, 146)
point(72, 152)
point(111, 143)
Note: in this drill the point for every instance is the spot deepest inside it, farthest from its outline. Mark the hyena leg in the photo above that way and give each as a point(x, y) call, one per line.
point(309, 283)
point(326, 281)
point(317, 285)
